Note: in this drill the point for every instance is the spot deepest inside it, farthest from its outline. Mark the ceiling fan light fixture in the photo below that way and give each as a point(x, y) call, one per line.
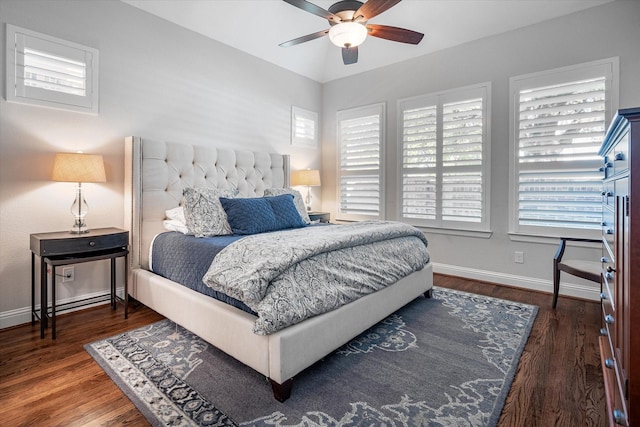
point(348, 34)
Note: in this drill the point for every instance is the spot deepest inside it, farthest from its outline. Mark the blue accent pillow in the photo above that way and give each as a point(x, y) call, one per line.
point(261, 214)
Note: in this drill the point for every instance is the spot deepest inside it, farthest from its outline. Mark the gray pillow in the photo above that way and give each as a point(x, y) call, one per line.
point(203, 211)
point(297, 200)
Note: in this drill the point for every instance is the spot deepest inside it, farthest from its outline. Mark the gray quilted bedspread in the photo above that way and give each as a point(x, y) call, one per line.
point(291, 275)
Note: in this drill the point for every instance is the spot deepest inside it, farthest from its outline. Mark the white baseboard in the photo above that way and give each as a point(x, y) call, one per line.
point(21, 316)
point(568, 289)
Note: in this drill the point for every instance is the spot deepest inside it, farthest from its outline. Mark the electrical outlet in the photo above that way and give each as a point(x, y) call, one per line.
point(518, 257)
point(68, 274)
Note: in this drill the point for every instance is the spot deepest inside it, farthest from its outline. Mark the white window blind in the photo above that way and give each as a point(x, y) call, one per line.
point(54, 73)
point(360, 136)
point(304, 127)
point(46, 71)
point(559, 122)
point(444, 159)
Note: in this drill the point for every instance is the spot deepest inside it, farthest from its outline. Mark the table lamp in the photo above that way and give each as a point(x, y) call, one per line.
point(78, 167)
point(309, 178)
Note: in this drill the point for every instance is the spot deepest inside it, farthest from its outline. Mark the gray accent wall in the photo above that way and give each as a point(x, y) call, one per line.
point(158, 81)
point(611, 30)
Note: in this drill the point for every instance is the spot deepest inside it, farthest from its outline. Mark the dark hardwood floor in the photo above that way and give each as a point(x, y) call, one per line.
point(46, 383)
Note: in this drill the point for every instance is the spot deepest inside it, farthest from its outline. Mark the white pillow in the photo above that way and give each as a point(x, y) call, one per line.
point(175, 225)
point(176, 214)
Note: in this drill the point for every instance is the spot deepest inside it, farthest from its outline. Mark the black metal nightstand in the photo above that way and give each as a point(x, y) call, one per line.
point(319, 216)
point(63, 248)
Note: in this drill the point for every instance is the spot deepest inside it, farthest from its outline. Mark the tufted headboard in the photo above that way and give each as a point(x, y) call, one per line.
point(156, 172)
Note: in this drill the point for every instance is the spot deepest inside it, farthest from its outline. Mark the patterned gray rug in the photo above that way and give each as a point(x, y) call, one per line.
point(445, 361)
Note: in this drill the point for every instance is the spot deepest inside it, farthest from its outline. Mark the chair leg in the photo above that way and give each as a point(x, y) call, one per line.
point(556, 286)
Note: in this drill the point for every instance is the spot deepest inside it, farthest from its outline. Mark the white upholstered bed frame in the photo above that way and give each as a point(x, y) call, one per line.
point(155, 174)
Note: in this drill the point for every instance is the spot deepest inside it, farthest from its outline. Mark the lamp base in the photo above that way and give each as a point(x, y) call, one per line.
point(307, 200)
point(79, 209)
point(80, 227)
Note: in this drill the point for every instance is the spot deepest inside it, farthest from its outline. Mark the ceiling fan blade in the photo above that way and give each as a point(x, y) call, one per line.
point(374, 8)
point(395, 34)
point(349, 55)
point(316, 10)
point(303, 39)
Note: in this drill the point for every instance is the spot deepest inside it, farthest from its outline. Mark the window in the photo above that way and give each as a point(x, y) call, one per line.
point(304, 128)
point(360, 138)
point(558, 123)
point(46, 71)
point(445, 159)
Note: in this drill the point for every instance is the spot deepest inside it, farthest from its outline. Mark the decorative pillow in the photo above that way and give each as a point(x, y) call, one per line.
point(297, 200)
point(262, 214)
point(175, 225)
point(203, 213)
point(176, 214)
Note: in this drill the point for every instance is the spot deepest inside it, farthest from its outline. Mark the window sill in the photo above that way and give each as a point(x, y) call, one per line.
point(551, 240)
point(454, 232)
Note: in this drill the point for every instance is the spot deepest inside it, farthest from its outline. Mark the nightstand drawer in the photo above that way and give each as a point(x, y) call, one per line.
point(319, 216)
point(50, 244)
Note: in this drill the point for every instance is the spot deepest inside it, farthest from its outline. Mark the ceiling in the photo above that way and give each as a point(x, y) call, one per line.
point(258, 26)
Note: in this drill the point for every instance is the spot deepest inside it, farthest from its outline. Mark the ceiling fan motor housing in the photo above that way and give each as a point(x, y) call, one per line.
point(345, 9)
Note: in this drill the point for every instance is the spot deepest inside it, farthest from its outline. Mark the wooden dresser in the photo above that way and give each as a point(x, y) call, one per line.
point(620, 336)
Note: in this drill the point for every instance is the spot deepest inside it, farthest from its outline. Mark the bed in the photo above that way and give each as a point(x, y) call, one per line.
point(156, 174)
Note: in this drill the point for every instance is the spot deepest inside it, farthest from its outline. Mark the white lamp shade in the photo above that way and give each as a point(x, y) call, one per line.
point(309, 177)
point(78, 167)
point(348, 34)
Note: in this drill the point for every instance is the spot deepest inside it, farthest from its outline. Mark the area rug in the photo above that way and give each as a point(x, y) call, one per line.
point(445, 361)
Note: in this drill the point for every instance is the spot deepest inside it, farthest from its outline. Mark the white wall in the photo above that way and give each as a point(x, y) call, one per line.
point(597, 33)
point(157, 80)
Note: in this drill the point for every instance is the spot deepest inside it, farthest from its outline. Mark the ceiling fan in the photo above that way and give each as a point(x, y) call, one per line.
point(349, 28)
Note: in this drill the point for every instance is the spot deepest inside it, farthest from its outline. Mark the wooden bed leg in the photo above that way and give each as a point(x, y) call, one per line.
point(429, 293)
point(281, 391)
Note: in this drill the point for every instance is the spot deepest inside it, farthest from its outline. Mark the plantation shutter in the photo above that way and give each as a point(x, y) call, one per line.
point(462, 146)
point(419, 162)
point(54, 73)
point(51, 72)
point(443, 159)
point(360, 138)
point(560, 125)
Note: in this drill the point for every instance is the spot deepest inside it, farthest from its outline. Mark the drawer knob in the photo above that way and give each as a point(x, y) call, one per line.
point(604, 259)
point(609, 231)
point(603, 295)
point(619, 156)
point(92, 243)
point(603, 332)
point(609, 363)
point(608, 319)
point(609, 276)
point(619, 418)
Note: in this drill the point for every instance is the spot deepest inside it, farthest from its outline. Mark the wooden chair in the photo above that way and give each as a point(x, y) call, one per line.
point(589, 270)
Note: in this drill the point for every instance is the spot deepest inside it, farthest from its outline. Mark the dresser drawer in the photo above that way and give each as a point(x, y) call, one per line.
point(609, 314)
point(54, 244)
point(608, 194)
point(608, 225)
point(616, 405)
point(619, 155)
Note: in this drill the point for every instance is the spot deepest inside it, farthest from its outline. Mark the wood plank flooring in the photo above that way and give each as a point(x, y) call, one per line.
point(46, 383)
